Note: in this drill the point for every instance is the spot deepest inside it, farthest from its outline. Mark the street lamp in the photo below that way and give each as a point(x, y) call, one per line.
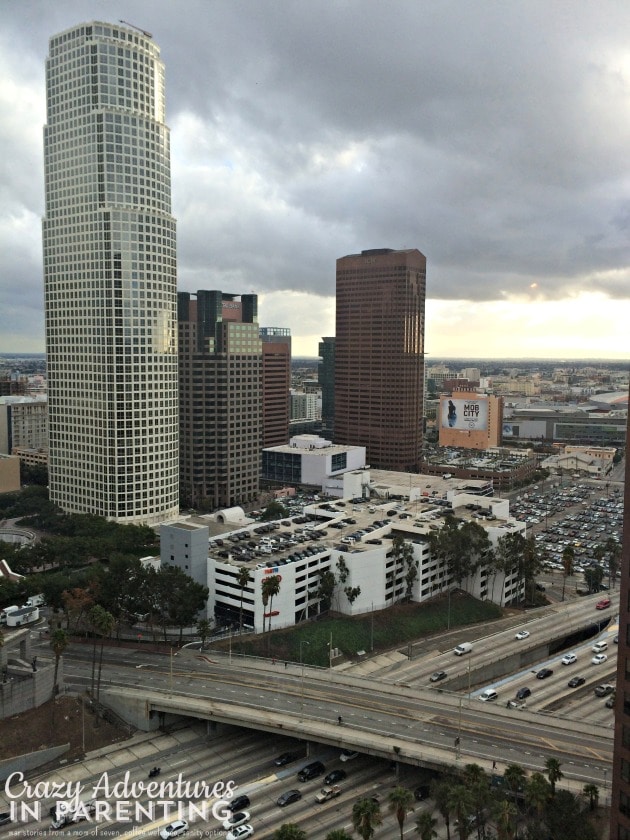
point(302, 642)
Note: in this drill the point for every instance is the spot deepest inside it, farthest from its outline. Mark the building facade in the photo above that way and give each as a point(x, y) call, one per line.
point(23, 424)
point(379, 355)
point(620, 802)
point(470, 420)
point(276, 373)
point(326, 380)
point(221, 408)
point(110, 277)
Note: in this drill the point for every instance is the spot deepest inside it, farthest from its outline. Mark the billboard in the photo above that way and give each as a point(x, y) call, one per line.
point(465, 414)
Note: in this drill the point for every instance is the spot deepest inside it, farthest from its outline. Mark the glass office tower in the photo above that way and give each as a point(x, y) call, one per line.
point(110, 277)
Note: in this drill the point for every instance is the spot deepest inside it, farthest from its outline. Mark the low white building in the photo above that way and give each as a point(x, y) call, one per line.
point(368, 573)
point(311, 460)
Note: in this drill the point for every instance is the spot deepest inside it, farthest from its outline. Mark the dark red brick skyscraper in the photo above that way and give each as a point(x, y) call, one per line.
point(379, 365)
point(620, 804)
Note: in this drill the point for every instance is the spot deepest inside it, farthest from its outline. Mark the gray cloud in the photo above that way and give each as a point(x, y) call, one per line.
point(492, 137)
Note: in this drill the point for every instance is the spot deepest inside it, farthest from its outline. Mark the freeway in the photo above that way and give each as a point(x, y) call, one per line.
point(409, 725)
point(396, 714)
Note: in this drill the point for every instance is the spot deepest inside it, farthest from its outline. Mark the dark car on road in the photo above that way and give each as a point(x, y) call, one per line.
point(310, 771)
point(288, 797)
point(544, 673)
point(522, 693)
point(285, 758)
point(576, 681)
point(335, 776)
point(238, 803)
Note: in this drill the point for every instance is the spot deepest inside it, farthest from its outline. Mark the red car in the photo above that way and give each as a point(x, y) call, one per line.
point(601, 605)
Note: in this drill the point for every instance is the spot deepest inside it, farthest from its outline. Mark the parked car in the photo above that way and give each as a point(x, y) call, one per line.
point(288, 797)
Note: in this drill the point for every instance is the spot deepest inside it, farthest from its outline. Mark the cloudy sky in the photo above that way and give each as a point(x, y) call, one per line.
point(494, 137)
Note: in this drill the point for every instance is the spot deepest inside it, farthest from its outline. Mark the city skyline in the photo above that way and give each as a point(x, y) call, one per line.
point(457, 131)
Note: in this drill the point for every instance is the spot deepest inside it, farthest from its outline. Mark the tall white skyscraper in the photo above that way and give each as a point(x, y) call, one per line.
point(110, 277)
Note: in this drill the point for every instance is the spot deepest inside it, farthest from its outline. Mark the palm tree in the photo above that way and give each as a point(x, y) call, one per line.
point(366, 816)
point(270, 588)
point(58, 643)
point(505, 815)
point(289, 831)
point(338, 834)
point(477, 781)
point(400, 801)
point(425, 826)
point(104, 624)
point(614, 555)
point(461, 803)
point(514, 777)
point(568, 556)
point(537, 793)
point(592, 791)
point(554, 773)
point(243, 577)
point(440, 794)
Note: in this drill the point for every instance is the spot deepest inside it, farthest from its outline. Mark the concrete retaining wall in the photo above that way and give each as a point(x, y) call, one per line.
point(30, 761)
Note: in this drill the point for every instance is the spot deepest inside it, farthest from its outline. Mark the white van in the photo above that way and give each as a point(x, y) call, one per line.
point(599, 647)
point(460, 650)
point(488, 694)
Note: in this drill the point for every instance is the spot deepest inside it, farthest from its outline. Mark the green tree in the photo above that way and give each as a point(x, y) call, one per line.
point(400, 802)
point(366, 817)
point(338, 834)
point(243, 577)
point(613, 550)
point(591, 791)
point(182, 598)
point(425, 826)
point(593, 576)
point(204, 628)
point(326, 588)
point(289, 831)
point(554, 773)
point(274, 510)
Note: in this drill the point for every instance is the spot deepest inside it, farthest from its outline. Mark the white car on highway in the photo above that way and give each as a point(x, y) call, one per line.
point(599, 658)
point(568, 659)
point(522, 634)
